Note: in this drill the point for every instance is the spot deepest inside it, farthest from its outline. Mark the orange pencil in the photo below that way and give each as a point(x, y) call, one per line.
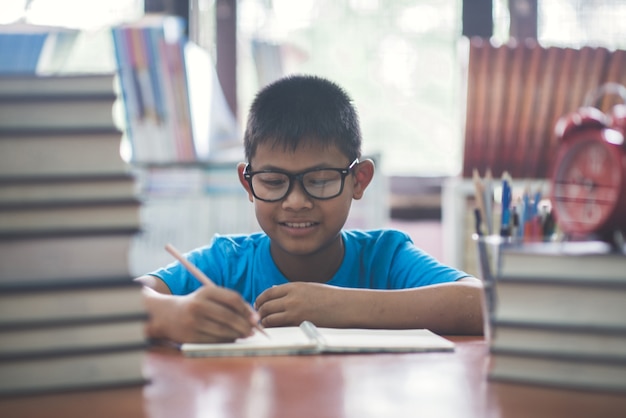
point(203, 278)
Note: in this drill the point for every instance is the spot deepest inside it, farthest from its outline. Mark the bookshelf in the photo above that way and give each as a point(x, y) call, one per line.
point(185, 205)
point(174, 106)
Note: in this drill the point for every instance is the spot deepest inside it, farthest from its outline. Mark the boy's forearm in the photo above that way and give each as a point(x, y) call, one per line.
point(451, 308)
point(156, 304)
point(155, 294)
point(154, 283)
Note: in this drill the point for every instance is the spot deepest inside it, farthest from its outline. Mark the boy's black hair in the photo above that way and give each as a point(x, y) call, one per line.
point(301, 108)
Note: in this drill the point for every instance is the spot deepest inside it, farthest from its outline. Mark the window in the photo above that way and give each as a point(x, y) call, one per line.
point(93, 49)
point(572, 23)
point(397, 59)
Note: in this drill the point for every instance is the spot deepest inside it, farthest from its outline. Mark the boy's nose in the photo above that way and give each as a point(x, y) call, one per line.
point(297, 198)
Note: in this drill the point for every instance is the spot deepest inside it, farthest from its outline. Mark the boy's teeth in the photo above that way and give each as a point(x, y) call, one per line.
point(298, 225)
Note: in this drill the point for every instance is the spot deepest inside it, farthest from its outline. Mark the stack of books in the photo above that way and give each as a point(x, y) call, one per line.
point(560, 316)
point(70, 314)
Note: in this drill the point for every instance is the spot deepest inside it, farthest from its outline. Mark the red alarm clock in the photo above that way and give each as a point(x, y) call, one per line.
point(589, 173)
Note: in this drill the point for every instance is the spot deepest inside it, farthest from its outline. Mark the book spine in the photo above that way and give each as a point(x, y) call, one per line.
point(61, 286)
point(78, 321)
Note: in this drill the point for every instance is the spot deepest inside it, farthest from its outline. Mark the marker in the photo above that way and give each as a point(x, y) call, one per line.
point(505, 223)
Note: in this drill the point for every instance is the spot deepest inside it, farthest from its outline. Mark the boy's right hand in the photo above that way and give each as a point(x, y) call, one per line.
point(208, 315)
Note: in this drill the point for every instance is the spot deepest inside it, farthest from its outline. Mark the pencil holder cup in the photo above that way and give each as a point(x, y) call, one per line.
point(488, 251)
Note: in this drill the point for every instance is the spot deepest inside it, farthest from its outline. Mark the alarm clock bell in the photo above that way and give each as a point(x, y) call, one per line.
point(588, 190)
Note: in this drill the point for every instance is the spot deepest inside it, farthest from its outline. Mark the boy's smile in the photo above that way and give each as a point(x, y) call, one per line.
point(301, 227)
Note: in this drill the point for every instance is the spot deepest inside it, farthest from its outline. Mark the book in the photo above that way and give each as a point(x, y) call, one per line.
point(309, 339)
point(24, 304)
point(558, 371)
point(20, 50)
point(105, 215)
point(63, 112)
point(575, 303)
point(90, 370)
point(150, 59)
point(57, 121)
point(34, 49)
point(30, 85)
point(71, 336)
point(49, 258)
point(597, 342)
point(84, 153)
point(87, 188)
point(567, 261)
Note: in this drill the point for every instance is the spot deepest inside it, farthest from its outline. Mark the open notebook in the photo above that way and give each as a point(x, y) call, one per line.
point(309, 339)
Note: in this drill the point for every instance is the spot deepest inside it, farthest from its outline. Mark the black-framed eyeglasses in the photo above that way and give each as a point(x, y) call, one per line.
point(318, 183)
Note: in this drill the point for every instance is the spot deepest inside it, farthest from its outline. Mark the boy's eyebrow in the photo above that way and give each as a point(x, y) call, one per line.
point(277, 168)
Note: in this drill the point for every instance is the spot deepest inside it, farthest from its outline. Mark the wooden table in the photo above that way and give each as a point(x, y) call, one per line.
point(368, 385)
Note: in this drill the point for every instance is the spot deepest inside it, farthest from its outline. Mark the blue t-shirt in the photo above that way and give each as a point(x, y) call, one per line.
point(376, 259)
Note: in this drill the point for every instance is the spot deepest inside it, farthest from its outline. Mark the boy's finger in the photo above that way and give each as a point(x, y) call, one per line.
point(273, 292)
point(213, 331)
point(227, 319)
point(228, 298)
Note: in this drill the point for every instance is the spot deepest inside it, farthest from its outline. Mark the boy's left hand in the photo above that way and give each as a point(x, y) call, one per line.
point(292, 303)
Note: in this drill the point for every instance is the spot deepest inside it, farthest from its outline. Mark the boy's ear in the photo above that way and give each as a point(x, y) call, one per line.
point(240, 169)
point(363, 174)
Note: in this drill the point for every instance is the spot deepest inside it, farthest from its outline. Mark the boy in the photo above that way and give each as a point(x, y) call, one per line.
point(302, 146)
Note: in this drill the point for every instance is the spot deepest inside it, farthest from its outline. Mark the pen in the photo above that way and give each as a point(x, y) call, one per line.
point(534, 221)
point(478, 222)
point(505, 223)
point(548, 226)
point(514, 222)
point(538, 195)
point(489, 200)
point(525, 214)
point(203, 278)
point(479, 189)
